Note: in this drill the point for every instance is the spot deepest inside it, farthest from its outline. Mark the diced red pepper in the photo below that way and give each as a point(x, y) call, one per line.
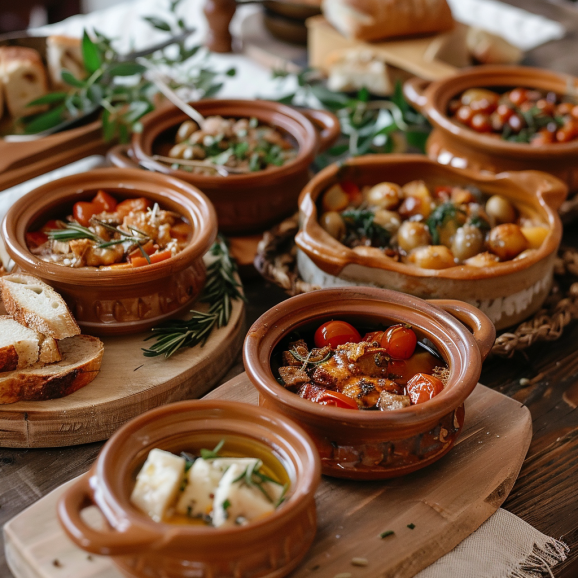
point(83, 212)
point(105, 201)
point(36, 238)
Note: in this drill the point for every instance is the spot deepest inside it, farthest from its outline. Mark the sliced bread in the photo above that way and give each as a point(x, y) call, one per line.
point(35, 304)
point(82, 356)
point(49, 350)
point(19, 346)
point(64, 53)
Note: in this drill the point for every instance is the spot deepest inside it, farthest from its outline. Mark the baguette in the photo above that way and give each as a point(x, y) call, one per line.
point(36, 305)
point(381, 19)
point(82, 357)
point(64, 53)
point(24, 78)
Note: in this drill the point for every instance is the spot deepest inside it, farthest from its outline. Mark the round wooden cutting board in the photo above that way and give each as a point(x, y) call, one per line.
point(128, 384)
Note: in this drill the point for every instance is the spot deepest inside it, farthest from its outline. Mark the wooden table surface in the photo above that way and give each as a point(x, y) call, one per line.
point(546, 493)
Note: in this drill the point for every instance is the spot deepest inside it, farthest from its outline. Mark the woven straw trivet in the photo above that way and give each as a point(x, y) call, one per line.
point(276, 261)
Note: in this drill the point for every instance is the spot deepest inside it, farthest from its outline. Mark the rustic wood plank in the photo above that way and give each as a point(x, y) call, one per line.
point(351, 515)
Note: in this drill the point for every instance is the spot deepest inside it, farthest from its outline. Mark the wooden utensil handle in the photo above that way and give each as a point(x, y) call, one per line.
point(479, 323)
point(219, 14)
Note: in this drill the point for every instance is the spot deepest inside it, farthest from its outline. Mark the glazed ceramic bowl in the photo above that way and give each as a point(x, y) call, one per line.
point(369, 445)
point(124, 300)
point(270, 547)
point(507, 293)
point(246, 203)
point(451, 143)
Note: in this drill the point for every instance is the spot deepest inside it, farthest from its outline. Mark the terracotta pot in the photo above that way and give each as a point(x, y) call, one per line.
point(507, 293)
point(451, 143)
point(125, 300)
point(244, 203)
point(369, 445)
point(270, 547)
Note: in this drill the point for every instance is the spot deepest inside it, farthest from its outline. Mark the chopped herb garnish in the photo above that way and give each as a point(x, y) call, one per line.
point(387, 533)
point(361, 228)
point(214, 453)
point(439, 217)
point(411, 526)
point(226, 504)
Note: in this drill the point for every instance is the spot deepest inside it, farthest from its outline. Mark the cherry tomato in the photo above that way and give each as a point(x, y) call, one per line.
point(105, 201)
point(465, 114)
point(575, 112)
point(336, 399)
point(373, 336)
point(51, 225)
point(504, 112)
point(36, 238)
point(516, 123)
point(542, 137)
point(334, 333)
point(82, 212)
point(399, 341)
point(443, 193)
point(546, 106)
point(518, 96)
point(422, 387)
point(139, 204)
point(481, 122)
point(353, 192)
point(564, 108)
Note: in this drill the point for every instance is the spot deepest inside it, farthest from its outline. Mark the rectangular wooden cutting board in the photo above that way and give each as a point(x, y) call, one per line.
point(446, 502)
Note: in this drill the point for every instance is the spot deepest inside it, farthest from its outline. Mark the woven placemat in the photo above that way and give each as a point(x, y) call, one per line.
point(276, 260)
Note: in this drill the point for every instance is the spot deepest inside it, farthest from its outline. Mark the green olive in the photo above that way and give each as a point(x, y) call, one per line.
point(333, 224)
point(186, 130)
point(507, 241)
point(432, 257)
point(411, 235)
point(501, 210)
point(385, 196)
point(468, 241)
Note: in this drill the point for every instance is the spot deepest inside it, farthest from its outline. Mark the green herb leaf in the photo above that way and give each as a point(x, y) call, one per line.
point(49, 98)
point(214, 453)
point(46, 120)
point(158, 23)
point(226, 504)
point(411, 526)
point(126, 69)
point(90, 55)
point(70, 79)
point(387, 533)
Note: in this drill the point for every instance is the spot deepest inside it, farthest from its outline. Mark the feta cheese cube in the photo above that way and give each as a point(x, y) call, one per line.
point(158, 483)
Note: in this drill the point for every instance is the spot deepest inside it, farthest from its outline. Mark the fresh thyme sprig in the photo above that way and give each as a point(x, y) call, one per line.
point(221, 289)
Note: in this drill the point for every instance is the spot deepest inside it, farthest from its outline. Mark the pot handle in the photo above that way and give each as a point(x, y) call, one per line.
point(479, 323)
point(552, 190)
point(414, 89)
point(118, 156)
point(104, 542)
point(327, 124)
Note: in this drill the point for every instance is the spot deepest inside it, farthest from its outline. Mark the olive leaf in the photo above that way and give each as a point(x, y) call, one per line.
point(90, 54)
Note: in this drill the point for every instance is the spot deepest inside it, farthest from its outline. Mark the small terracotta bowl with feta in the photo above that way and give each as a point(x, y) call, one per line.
point(119, 298)
point(364, 444)
point(141, 545)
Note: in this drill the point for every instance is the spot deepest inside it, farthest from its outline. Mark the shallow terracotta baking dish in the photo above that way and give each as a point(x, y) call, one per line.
point(270, 547)
point(244, 203)
point(451, 143)
point(507, 293)
point(369, 445)
point(126, 300)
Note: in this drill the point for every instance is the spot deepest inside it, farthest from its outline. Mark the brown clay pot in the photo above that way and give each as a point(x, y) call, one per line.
point(370, 445)
point(270, 547)
point(244, 203)
point(453, 144)
point(126, 300)
point(507, 293)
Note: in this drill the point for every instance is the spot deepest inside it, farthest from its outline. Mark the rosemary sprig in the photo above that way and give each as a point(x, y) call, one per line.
point(307, 361)
point(214, 453)
point(71, 232)
point(221, 289)
point(253, 478)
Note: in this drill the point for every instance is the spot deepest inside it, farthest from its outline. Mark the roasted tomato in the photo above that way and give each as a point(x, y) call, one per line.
point(105, 202)
point(352, 191)
point(422, 387)
point(83, 212)
point(139, 204)
point(334, 333)
point(399, 341)
point(336, 399)
point(36, 238)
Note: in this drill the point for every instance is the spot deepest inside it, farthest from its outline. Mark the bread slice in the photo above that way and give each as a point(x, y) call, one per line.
point(24, 78)
point(19, 346)
point(35, 304)
point(81, 359)
point(49, 351)
point(64, 53)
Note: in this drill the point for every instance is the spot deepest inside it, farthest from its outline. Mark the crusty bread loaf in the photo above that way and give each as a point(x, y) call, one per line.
point(64, 53)
point(24, 78)
point(35, 304)
point(488, 48)
point(381, 19)
point(81, 359)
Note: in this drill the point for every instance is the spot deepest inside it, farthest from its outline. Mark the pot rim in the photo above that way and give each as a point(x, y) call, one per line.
point(321, 247)
point(457, 345)
point(194, 205)
point(440, 92)
point(303, 488)
point(162, 119)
